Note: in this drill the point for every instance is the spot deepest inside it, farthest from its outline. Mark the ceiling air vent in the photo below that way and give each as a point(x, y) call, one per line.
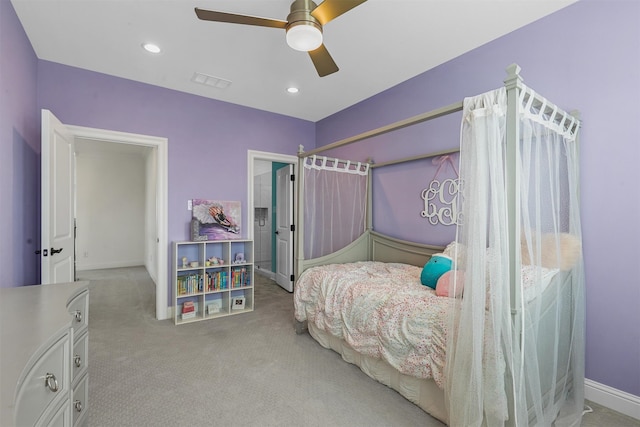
point(212, 81)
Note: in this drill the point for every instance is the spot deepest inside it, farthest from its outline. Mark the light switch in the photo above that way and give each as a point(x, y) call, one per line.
point(189, 205)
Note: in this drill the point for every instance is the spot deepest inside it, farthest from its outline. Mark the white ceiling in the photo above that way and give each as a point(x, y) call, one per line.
point(376, 45)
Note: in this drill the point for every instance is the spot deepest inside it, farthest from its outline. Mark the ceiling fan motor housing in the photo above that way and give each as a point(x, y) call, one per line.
point(301, 16)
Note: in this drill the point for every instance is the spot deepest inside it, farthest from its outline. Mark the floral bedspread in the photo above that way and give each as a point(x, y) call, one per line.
point(381, 310)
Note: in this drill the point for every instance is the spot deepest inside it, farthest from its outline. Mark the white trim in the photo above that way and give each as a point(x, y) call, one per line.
point(620, 401)
point(252, 156)
point(109, 265)
point(268, 274)
point(331, 164)
point(161, 144)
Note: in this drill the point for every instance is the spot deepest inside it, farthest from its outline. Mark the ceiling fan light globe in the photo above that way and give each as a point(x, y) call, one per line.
point(304, 36)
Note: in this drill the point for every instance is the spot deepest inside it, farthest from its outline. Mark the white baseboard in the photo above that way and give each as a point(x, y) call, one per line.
point(106, 265)
point(268, 274)
point(612, 398)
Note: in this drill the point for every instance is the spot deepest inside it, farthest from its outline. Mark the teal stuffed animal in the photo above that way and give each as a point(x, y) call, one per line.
point(437, 265)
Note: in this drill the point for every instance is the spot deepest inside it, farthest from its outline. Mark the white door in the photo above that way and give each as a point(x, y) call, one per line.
point(284, 232)
point(58, 172)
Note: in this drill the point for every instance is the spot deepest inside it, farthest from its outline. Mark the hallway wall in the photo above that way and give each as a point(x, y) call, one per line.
point(110, 211)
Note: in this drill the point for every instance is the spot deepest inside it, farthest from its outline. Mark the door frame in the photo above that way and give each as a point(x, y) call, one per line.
point(162, 173)
point(252, 156)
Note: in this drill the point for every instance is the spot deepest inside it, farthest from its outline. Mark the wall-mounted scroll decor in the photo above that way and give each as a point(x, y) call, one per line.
point(440, 198)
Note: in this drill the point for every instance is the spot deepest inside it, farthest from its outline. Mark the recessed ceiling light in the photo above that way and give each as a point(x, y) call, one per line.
point(292, 89)
point(150, 47)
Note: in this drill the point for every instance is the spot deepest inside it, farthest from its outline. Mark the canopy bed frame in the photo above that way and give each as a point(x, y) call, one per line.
point(374, 246)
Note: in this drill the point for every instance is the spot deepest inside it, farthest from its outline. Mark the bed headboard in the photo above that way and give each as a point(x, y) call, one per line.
point(389, 249)
point(374, 246)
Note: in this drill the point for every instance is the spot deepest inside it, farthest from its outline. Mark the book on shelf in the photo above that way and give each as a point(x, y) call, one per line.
point(215, 281)
point(240, 277)
point(189, 315)
point(188, 307)
point(190, 284)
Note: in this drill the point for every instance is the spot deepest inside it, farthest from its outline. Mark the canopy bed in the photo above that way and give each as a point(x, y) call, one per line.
point(502, 342)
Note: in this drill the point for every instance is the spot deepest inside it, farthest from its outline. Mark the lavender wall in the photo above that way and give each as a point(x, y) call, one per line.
point(585, 57)
point(19, 154)
point(208, 140)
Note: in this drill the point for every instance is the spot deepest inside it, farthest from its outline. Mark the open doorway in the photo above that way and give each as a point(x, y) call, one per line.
point(270, 215)
point(153, 151)
point(157, 234)
point(115, 199)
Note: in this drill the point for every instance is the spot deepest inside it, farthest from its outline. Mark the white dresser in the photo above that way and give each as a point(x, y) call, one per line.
point(44, 347)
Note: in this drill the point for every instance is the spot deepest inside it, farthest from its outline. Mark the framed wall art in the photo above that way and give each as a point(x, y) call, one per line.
point(215, 220)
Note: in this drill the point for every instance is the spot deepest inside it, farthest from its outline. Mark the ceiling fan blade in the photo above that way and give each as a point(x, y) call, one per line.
point(323, 61)
point(331, 9)
point(232, 18)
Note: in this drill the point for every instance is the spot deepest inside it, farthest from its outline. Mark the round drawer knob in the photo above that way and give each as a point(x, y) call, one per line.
point(78, 405)
point(78, 316)
point(51, 382)
point(77, 360)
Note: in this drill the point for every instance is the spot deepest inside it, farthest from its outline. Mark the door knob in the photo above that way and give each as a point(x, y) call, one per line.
point(56, 251)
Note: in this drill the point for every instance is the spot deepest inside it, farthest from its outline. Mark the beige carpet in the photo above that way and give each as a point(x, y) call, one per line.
point(249, 369)
point(244, 370)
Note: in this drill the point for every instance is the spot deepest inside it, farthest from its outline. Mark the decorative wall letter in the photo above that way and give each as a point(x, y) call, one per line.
point(440, 199)
point(440, 202)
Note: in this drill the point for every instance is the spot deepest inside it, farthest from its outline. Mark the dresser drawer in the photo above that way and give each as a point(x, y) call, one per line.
point(46, 380)
point(79, 356)
point(80, 401)
point(61, 417)
point(79, 310)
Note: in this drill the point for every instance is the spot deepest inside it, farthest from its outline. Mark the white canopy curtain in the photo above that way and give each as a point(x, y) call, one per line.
point(335, 200)
point(517, 328)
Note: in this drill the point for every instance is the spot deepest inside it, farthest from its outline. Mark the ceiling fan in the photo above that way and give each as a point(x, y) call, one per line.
point(303, 26)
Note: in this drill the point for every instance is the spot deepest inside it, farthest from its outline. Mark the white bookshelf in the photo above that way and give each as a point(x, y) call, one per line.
point(210, 275)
